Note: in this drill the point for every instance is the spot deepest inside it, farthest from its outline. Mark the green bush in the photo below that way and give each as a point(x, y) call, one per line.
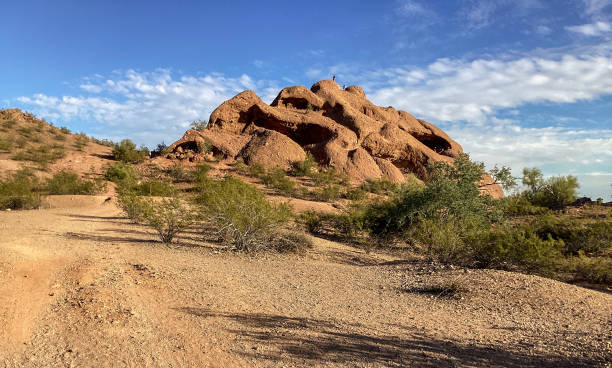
point(243, 217)
point(199, 125)
point(554, 192)
point(379, 186)
point(5, 145)
point(65, 130)
point(311, 221)
point(8, 124)
point(329, 176)
point(120, 172)
point(328, 193)
point(177, 172)
point(70, 183)
point(205, 146)
point(42, 155)
point(168, 217)
point(201, 172)
point(132, 205)
point(290, 242)
point(126, 151)
point(519, 205)
point(304, 168)
point(153, 187)
point(257, 170)
point(595, 270)
point(20, 191)
point(356, 194)
point(81, 142)
point(277, 179)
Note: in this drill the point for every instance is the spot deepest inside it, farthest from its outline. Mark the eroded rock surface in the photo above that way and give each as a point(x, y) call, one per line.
point(341, 128)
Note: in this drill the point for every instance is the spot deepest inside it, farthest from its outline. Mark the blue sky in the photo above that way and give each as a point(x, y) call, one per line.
point(515, 82)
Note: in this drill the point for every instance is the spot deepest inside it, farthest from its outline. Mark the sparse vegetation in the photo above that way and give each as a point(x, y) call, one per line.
point(70, 183)
point(168, 216)
point(199, 125)
point(41, 155)
point(5, 145)
point(240, 213)
point(382, 186)
point(306, 167)
point(19, 191)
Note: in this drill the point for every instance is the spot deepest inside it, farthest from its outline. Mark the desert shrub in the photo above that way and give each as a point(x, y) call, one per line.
point(348, 224)
point(168, 216)
point(379, 186)
point(579, 236)
point(153, 187)
point(290, 242)
point(58, 136)
point(355, 194)
point(42, 155)
point(327, 193)
point(329, 176)
point(596, 270)
point(519, 205)
point(159, 150)
point(5, 145)
point(81, 142)
point(304, 168)
point(103, 142)
point(311, 220)
point(201, 172)
point(243, 217)
point(472, 242)
point(199, 125)
point(21, 142)
point(257, 170)
point(177, 172)
point(20, 191)
point(8, 124)
point(26, 132)
point(39, 126)
point(553, 192)
point(120, 172)
point(132, 205)
point(64, 130)
point(70, 183)
point(126, 151)
point(277, 179)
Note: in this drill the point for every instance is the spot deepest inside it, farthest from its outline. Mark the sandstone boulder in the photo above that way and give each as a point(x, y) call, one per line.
point(340, 127)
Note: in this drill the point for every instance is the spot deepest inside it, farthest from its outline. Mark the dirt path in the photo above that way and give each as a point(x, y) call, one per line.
point(80, 286)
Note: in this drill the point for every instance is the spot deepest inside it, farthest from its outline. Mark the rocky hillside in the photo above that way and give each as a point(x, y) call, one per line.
point(341, 128)
point(26, 141)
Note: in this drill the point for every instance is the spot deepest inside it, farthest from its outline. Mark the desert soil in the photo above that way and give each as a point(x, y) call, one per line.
point(82, 287)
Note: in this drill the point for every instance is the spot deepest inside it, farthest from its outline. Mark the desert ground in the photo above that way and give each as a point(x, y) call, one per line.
point(83, 287)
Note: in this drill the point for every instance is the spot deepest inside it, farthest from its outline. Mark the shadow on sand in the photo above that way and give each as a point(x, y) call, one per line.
point(312, 342)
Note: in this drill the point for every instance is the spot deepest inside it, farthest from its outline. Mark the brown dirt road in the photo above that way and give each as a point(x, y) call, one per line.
point(81, 287)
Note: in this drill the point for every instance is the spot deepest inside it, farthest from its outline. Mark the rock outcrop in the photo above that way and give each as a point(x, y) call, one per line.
point(339, 127)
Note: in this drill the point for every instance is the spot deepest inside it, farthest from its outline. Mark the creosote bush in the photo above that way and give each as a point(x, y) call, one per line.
point(19, 191)
point(379, 186)
point(240, 213)
point(70, 183)
point(42, 155)
point(304, 168)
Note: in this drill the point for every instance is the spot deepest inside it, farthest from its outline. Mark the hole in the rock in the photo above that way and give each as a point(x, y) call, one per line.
point(437, 144)
point(295, 102)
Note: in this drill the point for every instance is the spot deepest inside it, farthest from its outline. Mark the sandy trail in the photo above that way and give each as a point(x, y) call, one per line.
point(82, 287)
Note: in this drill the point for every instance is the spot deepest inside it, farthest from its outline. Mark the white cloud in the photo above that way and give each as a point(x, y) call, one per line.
point(592, 29)
point(454, 90)
point(411, 7)
point(482, 13)
point(543, 30)
point(148, 107)
point(595, 8)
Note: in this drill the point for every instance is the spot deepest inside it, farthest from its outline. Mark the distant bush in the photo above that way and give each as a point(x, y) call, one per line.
point(64, 130)
point(379, 186)
point(519, 205)
point(81, 142)
point(356, 194)
point(243, 217)
point(199, 125)
point(120, 172)
point(205, 146)
point(327, 193)
point(311, 221)
point(257, 170)
point(159, 150)
point(126, 151)
point(553, 192)
point(42, 155)
point(5, 145)
point(329, 176)
point(304, 168)
point(153, 187)
point(201, 172)
point(70, 183)
point(177, 172)
point(8, 124)
point(277, 179)
point(20, 191)
point(132, 205)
